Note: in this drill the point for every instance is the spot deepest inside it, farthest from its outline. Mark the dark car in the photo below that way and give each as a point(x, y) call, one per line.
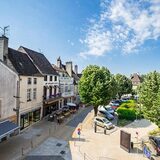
point(155, 141)
point(106, 114)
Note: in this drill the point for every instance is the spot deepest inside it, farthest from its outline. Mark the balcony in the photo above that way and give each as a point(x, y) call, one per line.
point(68, 94)
point(51, 98)
point(66, 80)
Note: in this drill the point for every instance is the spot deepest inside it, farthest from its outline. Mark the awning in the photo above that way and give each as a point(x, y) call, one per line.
point(71, 104)
point(7, 127)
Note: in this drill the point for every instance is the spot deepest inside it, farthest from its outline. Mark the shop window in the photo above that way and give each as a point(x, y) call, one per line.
point(36, 115)
point(25, 120)
point(50, 78)
point(35, 80)
point(28, 95)
point(34, 93)
point(29, 80)
point(45, 78)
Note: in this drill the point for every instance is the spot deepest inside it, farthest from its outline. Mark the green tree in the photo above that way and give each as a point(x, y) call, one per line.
point(124, 85)
point(96, 86)
point(149, 97)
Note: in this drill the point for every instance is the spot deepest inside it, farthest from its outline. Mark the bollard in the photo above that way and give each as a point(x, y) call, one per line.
point(105, 129)
point(95, 127)
point(84, 156)
point(22, 152)
point(31, 143)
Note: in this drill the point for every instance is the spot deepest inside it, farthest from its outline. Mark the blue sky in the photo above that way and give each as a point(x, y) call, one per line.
point(123, 35)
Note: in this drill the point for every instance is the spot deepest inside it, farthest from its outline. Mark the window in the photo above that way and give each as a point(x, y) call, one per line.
point(29, 80)
point(55, 78)
point(34, 93)
point(35, 80)
point(45, 78)
point(66, 88)
point(50, 78)
point(28, 95)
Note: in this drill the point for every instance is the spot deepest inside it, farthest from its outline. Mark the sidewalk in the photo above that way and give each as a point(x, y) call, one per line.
point(21, 144)
point(97, 146)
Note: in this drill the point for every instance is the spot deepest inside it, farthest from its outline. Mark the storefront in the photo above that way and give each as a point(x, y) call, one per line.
point(26, 119)
point(49, 108)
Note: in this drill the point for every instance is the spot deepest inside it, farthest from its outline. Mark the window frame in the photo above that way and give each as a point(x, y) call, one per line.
point(29, 80)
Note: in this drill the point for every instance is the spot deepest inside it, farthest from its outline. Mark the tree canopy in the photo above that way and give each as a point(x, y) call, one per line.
point(124, 85)
point(97, 86)
point(149, 97)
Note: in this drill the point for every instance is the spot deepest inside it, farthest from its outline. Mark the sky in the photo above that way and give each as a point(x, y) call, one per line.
point(122, 35)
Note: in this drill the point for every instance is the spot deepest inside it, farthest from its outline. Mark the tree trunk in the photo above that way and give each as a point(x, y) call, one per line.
point(95, 110)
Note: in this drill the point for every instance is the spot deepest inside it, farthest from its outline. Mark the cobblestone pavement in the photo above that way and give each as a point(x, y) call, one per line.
point(16, 147)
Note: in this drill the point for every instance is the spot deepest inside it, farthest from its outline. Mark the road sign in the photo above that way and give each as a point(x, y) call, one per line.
point(79, 131)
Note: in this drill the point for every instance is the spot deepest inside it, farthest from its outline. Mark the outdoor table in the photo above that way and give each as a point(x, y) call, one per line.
point(66, 114)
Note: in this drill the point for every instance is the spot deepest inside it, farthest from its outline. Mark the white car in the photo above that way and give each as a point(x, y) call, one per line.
point(103, 122)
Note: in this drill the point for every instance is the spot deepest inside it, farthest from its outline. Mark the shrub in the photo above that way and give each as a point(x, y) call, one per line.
point(128, 104)
point(155, 132)
point(126, 113)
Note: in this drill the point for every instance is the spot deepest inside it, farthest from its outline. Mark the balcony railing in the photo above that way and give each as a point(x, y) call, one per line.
point(51, 97)
point(66, 80)
point(67, 94)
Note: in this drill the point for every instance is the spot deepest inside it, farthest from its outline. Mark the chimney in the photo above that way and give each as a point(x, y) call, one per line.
point(69, 68)
point(3, 48)
point(59, 62)
point(76, 69)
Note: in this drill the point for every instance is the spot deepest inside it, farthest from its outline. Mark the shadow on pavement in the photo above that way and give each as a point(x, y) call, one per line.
point(139, 124)
point(44, 158)
point(79, 118)
point(79, 139)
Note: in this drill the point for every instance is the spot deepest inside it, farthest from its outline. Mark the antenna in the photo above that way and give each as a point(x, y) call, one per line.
point(4, 29)
point(40, 51)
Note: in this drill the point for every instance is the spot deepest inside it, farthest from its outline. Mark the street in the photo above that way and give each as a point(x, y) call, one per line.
point(20, 145)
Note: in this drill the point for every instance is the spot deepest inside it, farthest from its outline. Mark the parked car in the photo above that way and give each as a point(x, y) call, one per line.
point(155, 141)
point(105, 114)
point(103, 122)
point(107, 108)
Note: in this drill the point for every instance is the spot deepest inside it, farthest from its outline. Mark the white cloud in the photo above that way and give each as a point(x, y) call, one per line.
point(123, 24)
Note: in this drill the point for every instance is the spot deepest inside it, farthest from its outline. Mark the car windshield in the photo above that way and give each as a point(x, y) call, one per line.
point(108, 108)
point(105, 120)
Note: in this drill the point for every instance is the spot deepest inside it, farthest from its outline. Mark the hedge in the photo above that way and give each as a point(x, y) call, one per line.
point(126, 113)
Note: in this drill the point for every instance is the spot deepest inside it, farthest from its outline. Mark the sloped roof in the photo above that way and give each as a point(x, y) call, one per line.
point(59, 69)
point(22, 63)
point(135, 78)
point(40, 61)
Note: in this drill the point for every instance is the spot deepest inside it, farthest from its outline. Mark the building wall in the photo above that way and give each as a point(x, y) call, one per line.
point(25, 105)
point(54, 82)
point(8, 89)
